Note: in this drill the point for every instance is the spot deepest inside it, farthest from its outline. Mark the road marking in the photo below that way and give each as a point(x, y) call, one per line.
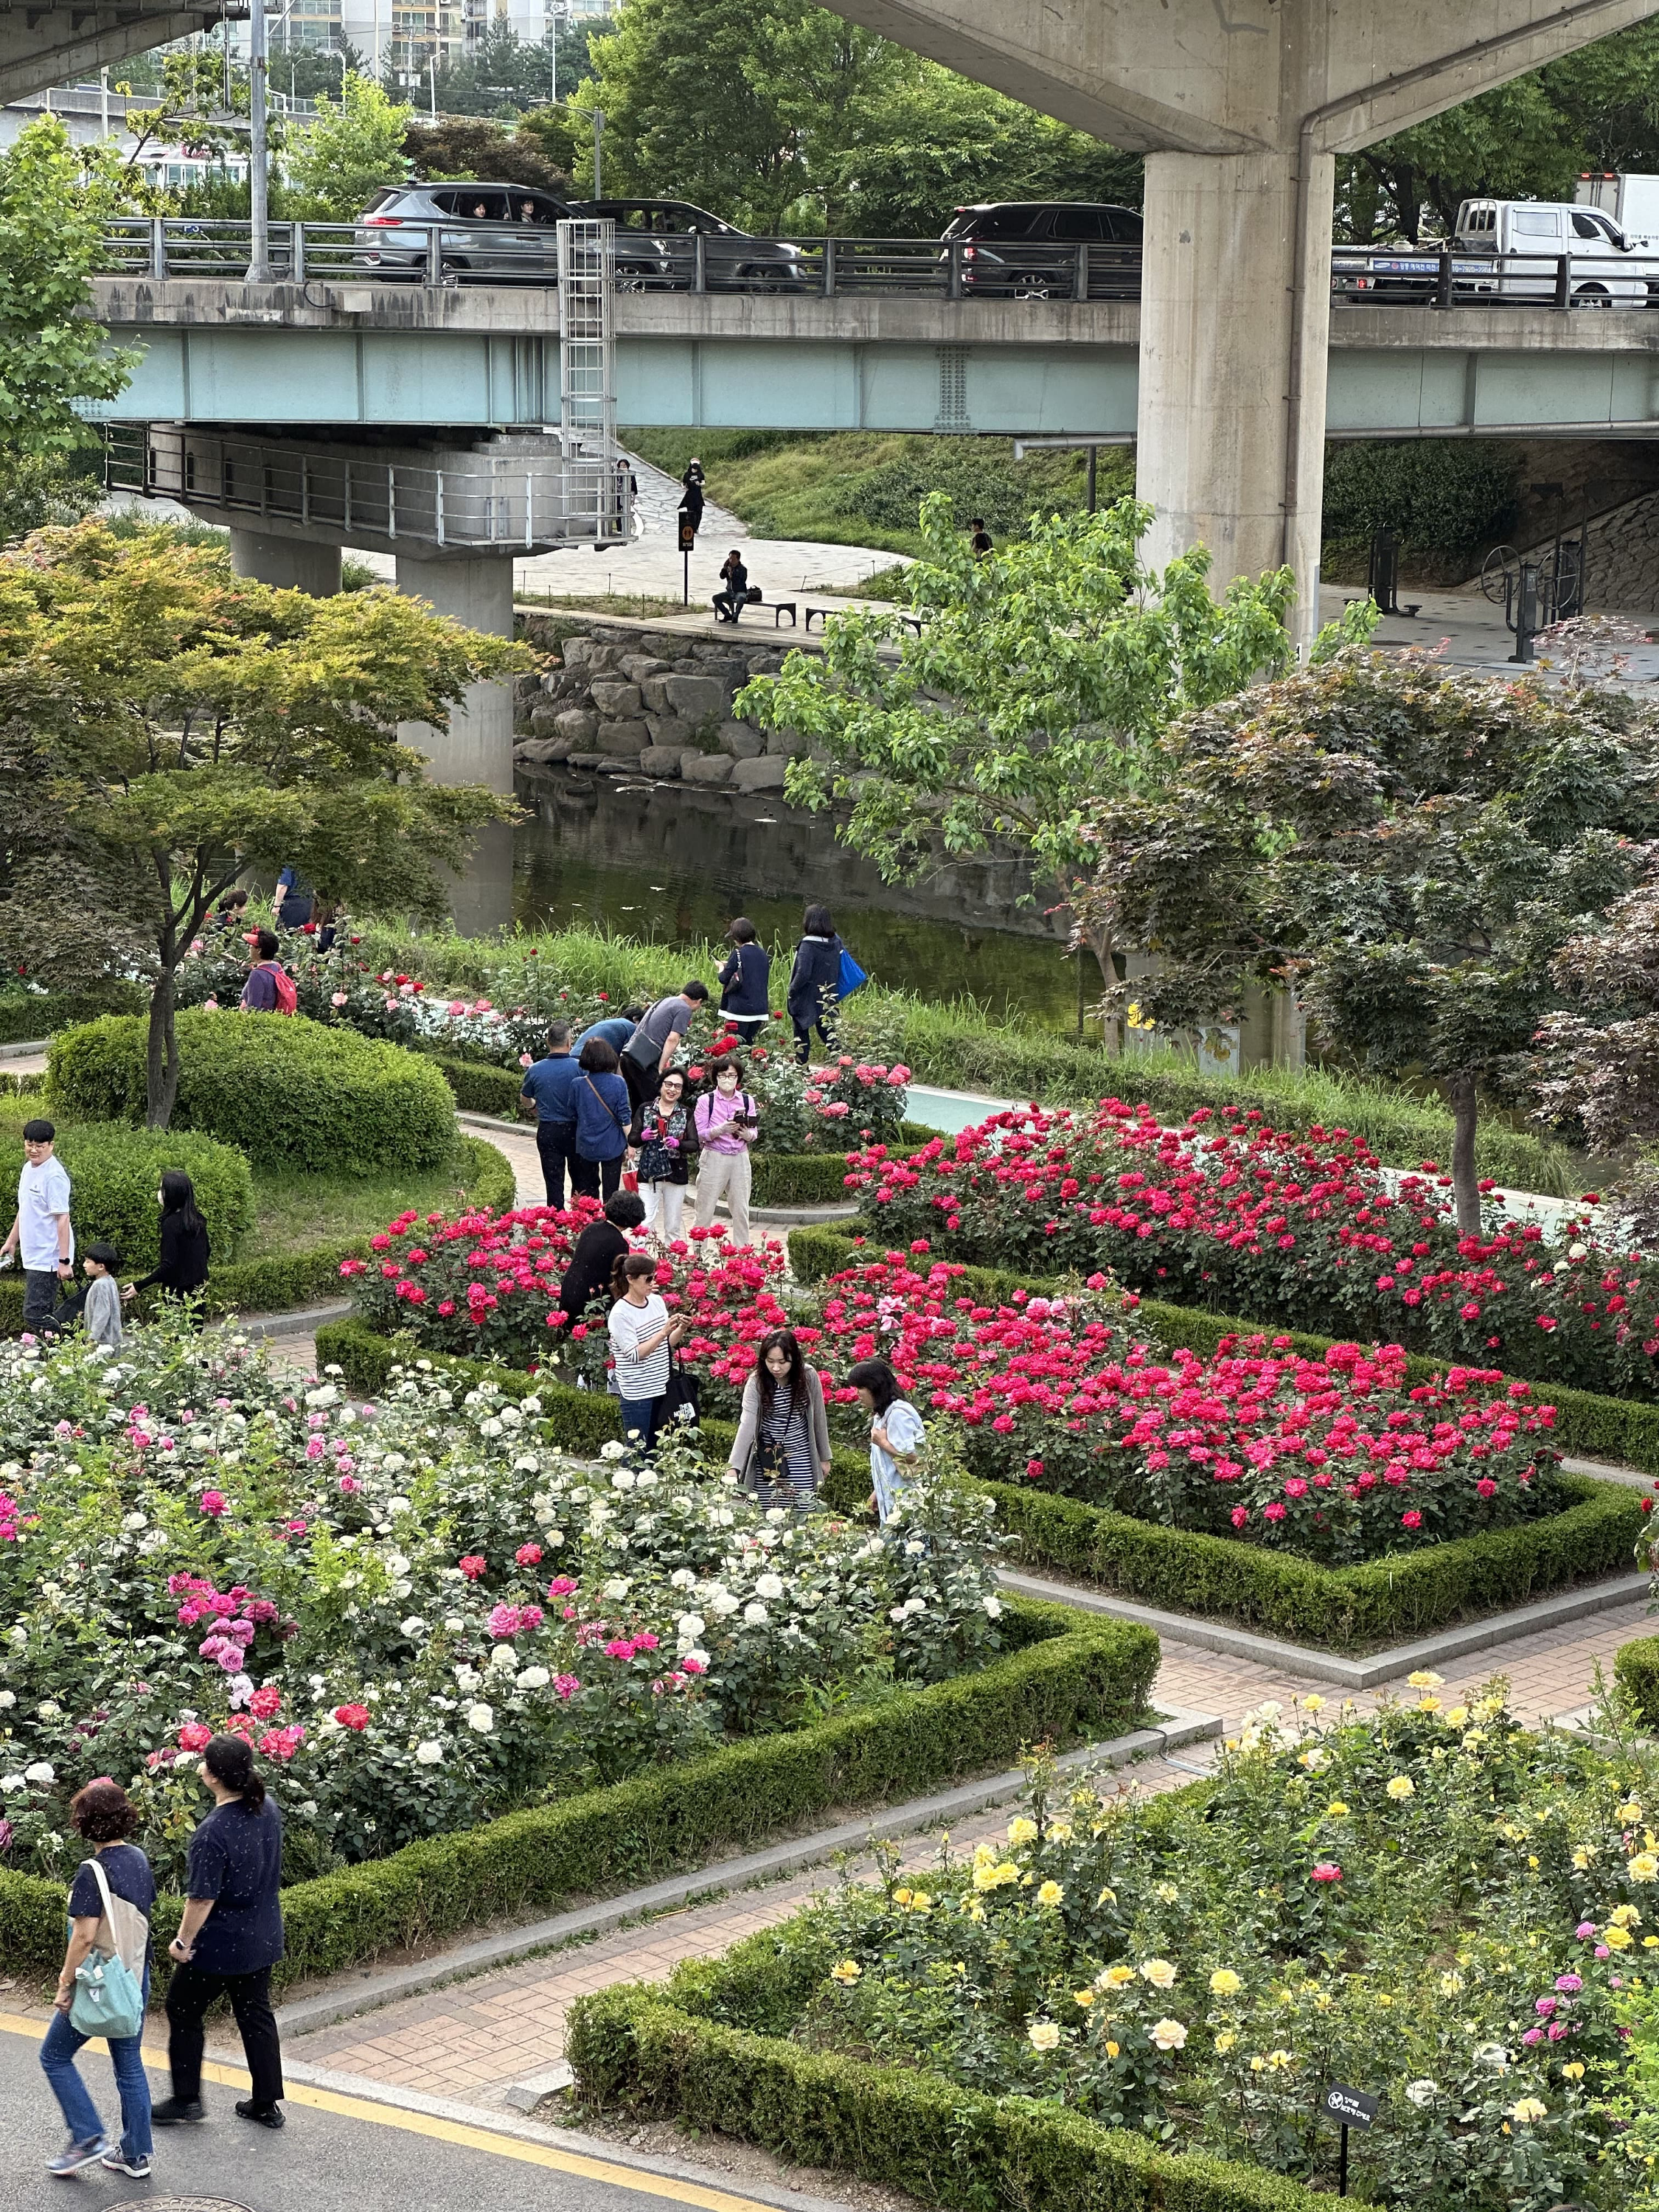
point(452, 2131)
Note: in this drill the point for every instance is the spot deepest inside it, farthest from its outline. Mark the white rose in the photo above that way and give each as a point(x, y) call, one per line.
point(481, 1718)
point(613, 1450)
point(503, 1660)
point(8, 1699)
point(689, 1626)
point(413, 1626)
point(455, 1623)
point(723, 1603)
point(136, 1521)
point(768, 1586)
point(756, 1615)
point(992, 1606)
point(41, 1772)
point(467, 1678)
point(492, 1427)
point(534, 1678)
point(617, 1586)
point(681, 1578)
point(326, 1395)
point(11, 1784)
point(1422, 2092)
point(48, 1712)
point(621, 1479)
point(429, 1754)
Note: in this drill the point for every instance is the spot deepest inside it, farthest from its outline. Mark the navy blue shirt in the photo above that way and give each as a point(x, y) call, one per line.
point(550, 1082)
point(128, 1873)
point(746, 979)
point(616, 1030)
point(236, 1859)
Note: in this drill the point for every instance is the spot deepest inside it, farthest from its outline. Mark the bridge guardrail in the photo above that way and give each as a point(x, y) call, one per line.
point(175, 247)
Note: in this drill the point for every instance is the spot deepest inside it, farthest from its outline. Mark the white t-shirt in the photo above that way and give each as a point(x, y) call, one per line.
point(639, 1379)
point(42, 1192)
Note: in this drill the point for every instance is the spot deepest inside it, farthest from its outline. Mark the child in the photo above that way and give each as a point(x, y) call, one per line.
point(100, 1302)
point(896, 1432)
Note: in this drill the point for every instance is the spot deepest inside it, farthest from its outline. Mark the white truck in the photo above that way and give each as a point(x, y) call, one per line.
point(1631, 202)
point(1537, 252)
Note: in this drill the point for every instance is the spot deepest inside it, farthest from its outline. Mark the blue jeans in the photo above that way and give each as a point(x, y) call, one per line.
point(58, 2056)
point(640, 1414)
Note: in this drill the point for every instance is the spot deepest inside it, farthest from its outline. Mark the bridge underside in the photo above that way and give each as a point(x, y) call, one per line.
point(44, 44)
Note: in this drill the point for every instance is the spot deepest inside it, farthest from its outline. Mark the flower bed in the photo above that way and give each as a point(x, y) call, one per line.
point(1142, 2003)
point(424, 1612)
point(1303, 1229)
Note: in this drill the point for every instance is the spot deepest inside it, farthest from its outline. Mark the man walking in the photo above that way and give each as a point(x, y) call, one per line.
point(735, 597)
point(649, 1053)
point(42, 1226)
point(549, 1083)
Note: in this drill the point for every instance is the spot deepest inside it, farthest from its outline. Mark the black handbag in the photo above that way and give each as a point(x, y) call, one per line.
point(681, 1401)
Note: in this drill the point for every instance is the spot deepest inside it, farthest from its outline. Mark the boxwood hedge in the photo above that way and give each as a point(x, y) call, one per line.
point(291, 1092)
point(113, 1172)
point(1636, 1671)
point(1069, 1676)
point(672, 2053)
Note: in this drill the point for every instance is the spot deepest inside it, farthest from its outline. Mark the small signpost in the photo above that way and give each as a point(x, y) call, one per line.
point(1350, 2108)
point(688, 546)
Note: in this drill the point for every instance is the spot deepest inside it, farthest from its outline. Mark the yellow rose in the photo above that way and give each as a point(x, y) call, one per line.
point(1573, 2070)
point(1225, 1982)
point(1457, 1716)
point(1617, 1938)
point(1526, 2110)
point(901, 1896)
point(1425, 1678)
point(1625, 1916)
point(1050, 1894)
point(1336, 1810)
point(1116, 1977)
point(1226, 2039)
point(1645, 1867)
point(847, 1972)
point(1314, 1703)
point(1022, 1831)
point(1085, 1997)
point(1532, 1861)
point(1044, 2034)
point(1159, 1972)
point(1111, 2050)
point(1630, 1810)
point(920, 1902)
point(1107, 1897)
point(1583, 1857)
point(1400, 1787)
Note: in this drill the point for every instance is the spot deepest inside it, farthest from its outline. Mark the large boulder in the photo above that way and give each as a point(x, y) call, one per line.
point(765, 773)
point(614, 698)
point(544, 720)
point(535, 751)
point(578, 725)
point(636, 666)
point(710, 768)
point(788, 743)
point(669, 730)
point(623, 739)
point(740, 741)
point(577, 651)
point(695, 698)
point(660, 760)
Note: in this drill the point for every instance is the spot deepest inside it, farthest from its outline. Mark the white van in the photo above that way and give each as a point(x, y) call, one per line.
point(1527, 240)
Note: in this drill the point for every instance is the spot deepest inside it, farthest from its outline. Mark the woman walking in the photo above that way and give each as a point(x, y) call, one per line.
point(183, 1266)
point(727, 1121)
point(896, 1433)
point(815, 982)
point(604, 1114)
point(746, 982)
point(230, 1937)
point(783, 1431)
point(109, 1906)
point(642, 1340)
point(665, 1141)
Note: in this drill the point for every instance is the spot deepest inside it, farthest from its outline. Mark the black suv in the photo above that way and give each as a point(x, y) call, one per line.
point(488, 233)
point(1028, 249)
point(732, 259)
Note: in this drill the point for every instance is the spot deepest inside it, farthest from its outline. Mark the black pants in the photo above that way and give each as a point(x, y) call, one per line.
point(556, 1143)
point(596, 1178)
point(189, 1993)
point(643, 1082)
point(825, 1026)
point(726, 604)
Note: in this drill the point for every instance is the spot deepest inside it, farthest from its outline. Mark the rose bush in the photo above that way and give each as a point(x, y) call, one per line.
point(419, 1610)
point(1427, 1901)
point(1305, 1230)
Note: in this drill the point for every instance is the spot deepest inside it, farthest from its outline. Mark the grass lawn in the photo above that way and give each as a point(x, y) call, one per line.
point(297, 1209)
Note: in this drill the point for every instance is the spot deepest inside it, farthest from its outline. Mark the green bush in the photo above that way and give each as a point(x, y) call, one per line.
point(1069, 1676)
point(291, 1092)
point(36, 1014)
point(114, 1171)
point(479, 1088)
point(1443, 498)
point(1636, 1671)
point(648, 2050)
point(801, 1179)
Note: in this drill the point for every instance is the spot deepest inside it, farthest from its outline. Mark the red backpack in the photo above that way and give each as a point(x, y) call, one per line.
point(288, 997)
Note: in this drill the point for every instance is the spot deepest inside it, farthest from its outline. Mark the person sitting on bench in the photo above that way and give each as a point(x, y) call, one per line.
point(729, 604)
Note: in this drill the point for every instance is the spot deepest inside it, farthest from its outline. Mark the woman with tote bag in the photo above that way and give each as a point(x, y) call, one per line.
point(103, 1987)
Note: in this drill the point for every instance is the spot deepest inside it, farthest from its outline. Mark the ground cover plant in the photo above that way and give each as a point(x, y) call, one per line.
point(419, 1611)
point(1428, 1901)
point(1228, 1212)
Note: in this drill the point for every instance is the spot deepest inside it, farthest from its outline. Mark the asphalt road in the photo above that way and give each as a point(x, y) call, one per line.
point(338, 2153)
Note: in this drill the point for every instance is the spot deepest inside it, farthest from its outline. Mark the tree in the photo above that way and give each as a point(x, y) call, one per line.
point(354, 147)
point(471, 148)
point(1040, 679)
point(501, 75)
point(1409, 847)
point(166, 725)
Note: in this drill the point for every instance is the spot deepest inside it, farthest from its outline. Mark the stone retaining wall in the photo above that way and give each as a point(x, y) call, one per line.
point(631, 699)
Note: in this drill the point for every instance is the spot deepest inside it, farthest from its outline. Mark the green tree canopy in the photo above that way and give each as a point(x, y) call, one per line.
point(165, 724)
point(354, 147)
point(1410, 847)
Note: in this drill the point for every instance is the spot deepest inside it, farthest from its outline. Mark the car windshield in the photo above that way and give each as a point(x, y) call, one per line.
point(991, 222)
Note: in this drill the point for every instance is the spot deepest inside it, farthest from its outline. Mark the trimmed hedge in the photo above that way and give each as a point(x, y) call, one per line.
point(43, 1014)
point(1070, 1676)
point(480, 1088)
point(113, 1172)
point(291, 1092)
point(655, 2052)
point(1636, 1671)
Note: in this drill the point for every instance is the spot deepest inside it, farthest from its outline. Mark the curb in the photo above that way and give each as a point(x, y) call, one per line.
point(493, 2121)
point(25, 1048)
point(299, 1323)
point(1366, 1674)
point(468, 1959)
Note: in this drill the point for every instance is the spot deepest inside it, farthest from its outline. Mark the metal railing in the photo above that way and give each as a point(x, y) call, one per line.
point(461, 253)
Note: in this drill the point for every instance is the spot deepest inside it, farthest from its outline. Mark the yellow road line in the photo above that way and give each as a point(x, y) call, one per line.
point(453, 2131)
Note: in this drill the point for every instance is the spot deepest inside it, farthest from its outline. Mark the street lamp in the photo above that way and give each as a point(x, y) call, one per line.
point(558, 14)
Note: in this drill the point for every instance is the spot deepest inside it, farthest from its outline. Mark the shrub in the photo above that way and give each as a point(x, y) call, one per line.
point(801, 1179)
point(43, 1013)
point(1636, 1672)
point(480, 1089)
point(114, 1171)
point(288, 1091)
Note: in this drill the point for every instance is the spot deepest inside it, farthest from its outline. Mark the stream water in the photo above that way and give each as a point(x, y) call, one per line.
point(675, 863)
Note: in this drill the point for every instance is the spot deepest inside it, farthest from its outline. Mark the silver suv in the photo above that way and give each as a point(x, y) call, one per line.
point(480, 233)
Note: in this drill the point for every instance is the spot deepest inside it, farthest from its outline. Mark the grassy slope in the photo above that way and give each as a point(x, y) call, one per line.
point(863, 488)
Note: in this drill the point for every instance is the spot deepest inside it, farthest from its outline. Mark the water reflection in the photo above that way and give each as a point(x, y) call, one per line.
point(675, 863)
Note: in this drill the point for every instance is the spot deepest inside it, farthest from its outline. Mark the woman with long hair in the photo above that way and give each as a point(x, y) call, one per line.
point(665, 1138)
point(230, 1937)
point(185, 1251)
point(815, 982)
point(109, 1906)
point(783, 1430)
point(726, 1120)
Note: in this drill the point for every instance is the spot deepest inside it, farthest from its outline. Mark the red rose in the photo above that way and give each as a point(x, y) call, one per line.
point(353, 1717)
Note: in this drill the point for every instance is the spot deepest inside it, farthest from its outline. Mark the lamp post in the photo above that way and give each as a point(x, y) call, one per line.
point(598, 133)
point(258, 164)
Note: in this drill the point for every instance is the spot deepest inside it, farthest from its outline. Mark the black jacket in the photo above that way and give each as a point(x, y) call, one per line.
point(184, 1263)
point(745, 981)
point(589, 1273)
point(812, 986)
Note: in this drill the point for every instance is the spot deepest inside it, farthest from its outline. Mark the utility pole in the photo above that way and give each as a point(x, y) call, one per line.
point(598, 133)
point(103, 102)
point(432, 80)
point(259, 166)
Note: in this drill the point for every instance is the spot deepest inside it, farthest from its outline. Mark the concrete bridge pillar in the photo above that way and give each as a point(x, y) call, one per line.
point(290, 564)
point(475, 589)
point(1241, 106)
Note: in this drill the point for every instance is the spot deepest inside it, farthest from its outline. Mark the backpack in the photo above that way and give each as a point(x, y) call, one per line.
point(288, 996)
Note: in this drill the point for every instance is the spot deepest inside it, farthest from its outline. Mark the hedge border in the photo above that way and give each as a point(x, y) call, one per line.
point(936, 2140)
point(1636, 1671)
point(283, 1281)
point(1069, 1674)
